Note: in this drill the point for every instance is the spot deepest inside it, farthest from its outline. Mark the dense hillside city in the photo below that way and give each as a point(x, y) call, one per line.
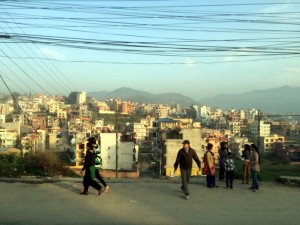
point(129, 129)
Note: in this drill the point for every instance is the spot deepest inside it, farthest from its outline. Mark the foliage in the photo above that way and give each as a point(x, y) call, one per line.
point(270, 170)
point(33, 164)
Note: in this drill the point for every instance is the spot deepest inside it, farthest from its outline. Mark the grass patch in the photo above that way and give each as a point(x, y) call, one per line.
point(270, 170)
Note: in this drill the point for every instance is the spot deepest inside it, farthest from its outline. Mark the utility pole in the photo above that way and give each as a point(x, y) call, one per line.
point(258, 129)
point(117, 137)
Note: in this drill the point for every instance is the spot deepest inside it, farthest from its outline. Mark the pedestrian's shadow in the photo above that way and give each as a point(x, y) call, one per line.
point(73, 187)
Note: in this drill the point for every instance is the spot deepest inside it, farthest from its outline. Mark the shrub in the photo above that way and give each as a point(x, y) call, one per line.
point(34, 164)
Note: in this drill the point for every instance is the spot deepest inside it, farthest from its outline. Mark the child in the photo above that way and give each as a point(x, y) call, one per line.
point(229, 168)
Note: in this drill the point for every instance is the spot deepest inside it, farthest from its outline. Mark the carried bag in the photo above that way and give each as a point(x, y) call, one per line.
point(93, 169)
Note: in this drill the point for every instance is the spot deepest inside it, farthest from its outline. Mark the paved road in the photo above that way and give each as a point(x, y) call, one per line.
point(152, 203)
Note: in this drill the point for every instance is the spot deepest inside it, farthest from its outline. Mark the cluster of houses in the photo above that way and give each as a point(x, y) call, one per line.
point(43, 123)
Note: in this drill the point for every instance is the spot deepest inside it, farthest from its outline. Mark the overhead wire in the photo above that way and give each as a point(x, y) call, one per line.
point(111, 16)
point(33, 69)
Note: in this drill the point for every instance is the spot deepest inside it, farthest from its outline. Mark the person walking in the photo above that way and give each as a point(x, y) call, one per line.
point(209, 166)
point(185, 158)
point(254, 167)
point(88, 167)
point(98, 162)
point(229, 168)
point(222, 157)
point(246, 163)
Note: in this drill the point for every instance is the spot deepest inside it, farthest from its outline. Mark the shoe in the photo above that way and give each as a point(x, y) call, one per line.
point(99, 192)
point(106, 189)
point(254, 190)
point(231, 188)
point(187, 197)
point(83, 193)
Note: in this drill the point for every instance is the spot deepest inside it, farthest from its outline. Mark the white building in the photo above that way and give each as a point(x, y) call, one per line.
point(127, 152)
point(2, 119)
point(80, 98)
point(265, 129)
point(205, 111)
point(140, 130)
point(8, 138)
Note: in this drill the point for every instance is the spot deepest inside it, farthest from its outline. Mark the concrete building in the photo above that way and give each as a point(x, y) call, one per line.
point(140, 131)
point(18, 118)
point(172, 146)
point(167, 138)
point(235, 127)
point(6, 108)
point(268, 142)
point(80, 98)
point(8, 138)
point(2, 119)
point(265, 129)
point(236, 145)
point(205, 111)
point(62, 114)
point(127, 153)
point(162, 111)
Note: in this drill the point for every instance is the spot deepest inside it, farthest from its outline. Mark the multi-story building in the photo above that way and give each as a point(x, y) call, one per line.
point(140, 131)
point(62, 114)
point(235, 127)
point(80, 98)
point(6, 108)
point(167, 138)
point(126, 108)
point(163, 111)
point(39, 122)
point(267, 143)
point(205, 111)
point(265, 129)
point(236, 145)
point(18, 118)
point(8, 138)
point(127, 152)
point(2, 119)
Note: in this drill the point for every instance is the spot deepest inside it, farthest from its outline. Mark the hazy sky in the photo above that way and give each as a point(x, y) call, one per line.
point(197, 48)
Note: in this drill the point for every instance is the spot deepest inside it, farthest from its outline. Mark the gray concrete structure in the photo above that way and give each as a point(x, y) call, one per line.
point(147, 202)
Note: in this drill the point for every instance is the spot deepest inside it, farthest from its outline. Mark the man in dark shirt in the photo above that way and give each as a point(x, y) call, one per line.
point(185, 158)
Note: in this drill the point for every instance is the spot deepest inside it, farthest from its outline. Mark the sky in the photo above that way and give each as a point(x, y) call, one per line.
point(196, 48)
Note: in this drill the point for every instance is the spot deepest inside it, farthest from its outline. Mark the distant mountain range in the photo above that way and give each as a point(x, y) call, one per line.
point(283, 99)
point(129, 94)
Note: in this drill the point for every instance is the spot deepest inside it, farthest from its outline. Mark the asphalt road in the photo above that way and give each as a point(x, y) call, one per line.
point(146, 202)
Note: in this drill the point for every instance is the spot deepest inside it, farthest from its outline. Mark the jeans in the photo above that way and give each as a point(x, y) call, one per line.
point(210, 180)
point(255, 184)
point(185, 178)
point(229, 179)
